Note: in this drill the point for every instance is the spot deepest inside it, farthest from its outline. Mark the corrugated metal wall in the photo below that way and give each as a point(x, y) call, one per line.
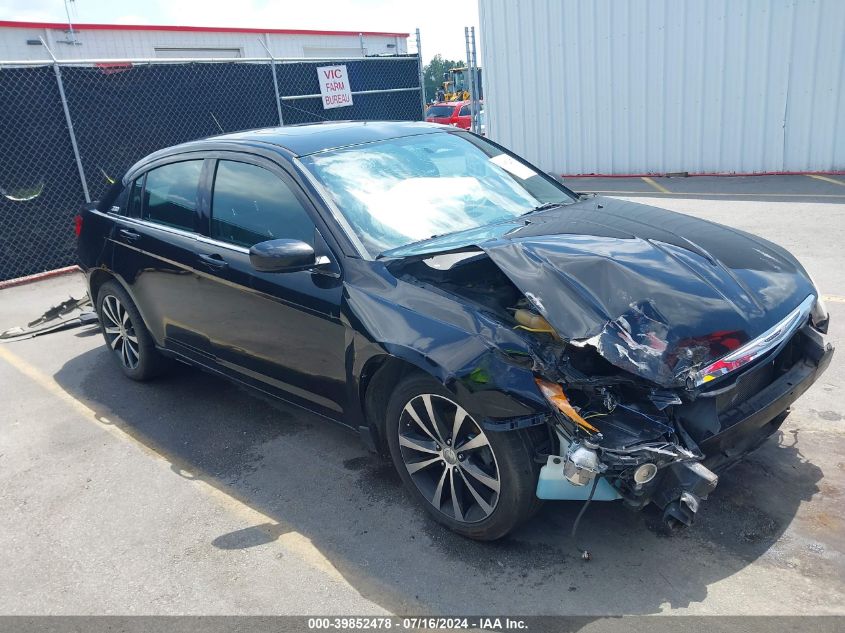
point(657, 86)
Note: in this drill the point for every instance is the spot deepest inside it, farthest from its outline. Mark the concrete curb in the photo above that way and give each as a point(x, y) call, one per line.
point(47, 274)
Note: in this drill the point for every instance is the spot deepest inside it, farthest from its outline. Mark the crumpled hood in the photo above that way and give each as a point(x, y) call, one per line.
point(657, 293)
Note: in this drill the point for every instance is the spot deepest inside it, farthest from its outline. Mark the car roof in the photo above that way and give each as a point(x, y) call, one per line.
point(309, 138)
point(296, 140)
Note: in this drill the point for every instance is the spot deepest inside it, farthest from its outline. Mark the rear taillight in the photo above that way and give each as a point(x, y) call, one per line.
point(77, 224)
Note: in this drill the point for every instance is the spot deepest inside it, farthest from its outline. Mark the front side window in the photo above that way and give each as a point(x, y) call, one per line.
point(251, 204)
point(170, 194)
point(411, 189)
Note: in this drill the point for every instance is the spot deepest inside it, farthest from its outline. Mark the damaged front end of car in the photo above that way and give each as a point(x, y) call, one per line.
point(620, 437)
point(642, 406)
point(651, 443)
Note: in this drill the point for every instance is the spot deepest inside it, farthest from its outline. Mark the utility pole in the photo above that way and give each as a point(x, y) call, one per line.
point(469, 64)
point(475, 95)
point(420, 71)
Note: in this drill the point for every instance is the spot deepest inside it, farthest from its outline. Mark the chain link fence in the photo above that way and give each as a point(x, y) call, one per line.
point(70, 129)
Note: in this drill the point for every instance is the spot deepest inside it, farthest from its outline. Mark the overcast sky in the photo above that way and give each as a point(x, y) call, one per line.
point(441, 23)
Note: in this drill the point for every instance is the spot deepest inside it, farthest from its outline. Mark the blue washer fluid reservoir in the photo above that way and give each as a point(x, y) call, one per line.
point(554, 485)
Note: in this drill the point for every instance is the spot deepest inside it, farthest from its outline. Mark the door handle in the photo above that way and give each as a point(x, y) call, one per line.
point(129, 235)
point(213, 262)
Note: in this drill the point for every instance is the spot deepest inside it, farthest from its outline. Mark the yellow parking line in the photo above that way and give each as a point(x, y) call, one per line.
point(293, 541)
point(833, 298)
point(718, 193)
point(827, 179)
point(660, 188)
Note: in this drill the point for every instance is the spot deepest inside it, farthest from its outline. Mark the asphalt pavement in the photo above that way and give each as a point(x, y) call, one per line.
point(190, 495)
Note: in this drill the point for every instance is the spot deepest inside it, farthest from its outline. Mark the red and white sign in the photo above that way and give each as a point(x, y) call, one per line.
point(334, 86)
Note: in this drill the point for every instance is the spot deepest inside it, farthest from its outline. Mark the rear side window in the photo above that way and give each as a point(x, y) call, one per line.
point(170, 194)
point(250, 204)
point(464, 111)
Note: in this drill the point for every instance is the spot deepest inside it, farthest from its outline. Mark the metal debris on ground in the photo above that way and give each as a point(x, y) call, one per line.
point(57, 318)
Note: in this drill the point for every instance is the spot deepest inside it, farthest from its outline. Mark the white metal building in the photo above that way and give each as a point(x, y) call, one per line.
point(663, 86)
point(22, 41)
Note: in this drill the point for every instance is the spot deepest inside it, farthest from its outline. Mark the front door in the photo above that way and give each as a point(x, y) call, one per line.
point(279, 331)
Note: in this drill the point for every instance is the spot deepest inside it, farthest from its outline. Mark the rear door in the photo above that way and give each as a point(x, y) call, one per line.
point(279, 331)
point(155, 248)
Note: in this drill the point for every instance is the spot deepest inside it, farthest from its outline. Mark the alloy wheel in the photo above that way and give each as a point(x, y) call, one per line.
point(120, 332)
point(449, 458)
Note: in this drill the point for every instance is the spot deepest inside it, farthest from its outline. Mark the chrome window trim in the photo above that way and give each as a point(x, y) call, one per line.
point(215, 242)
point(181, 232)
point(322, 260)
point(154, 225)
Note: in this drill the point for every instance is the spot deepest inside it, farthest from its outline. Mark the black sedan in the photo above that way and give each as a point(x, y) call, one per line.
point(503, 339)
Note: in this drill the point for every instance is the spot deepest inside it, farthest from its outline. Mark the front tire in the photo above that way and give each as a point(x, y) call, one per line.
point(127, 338)
point(479, 484)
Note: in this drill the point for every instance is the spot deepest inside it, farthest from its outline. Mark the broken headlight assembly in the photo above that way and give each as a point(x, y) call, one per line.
point(760, 346)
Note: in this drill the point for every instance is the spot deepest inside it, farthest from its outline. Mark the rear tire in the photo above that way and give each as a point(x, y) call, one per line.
point(127, 338)
point(477, 483)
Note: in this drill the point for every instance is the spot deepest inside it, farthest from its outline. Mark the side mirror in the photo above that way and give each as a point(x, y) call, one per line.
point(282, 256)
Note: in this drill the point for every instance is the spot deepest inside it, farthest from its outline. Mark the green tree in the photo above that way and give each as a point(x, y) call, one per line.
point(433, 74)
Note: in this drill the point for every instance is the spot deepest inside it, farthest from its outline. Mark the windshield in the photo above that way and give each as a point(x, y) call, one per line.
point(440, 111)
point(405, 190)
